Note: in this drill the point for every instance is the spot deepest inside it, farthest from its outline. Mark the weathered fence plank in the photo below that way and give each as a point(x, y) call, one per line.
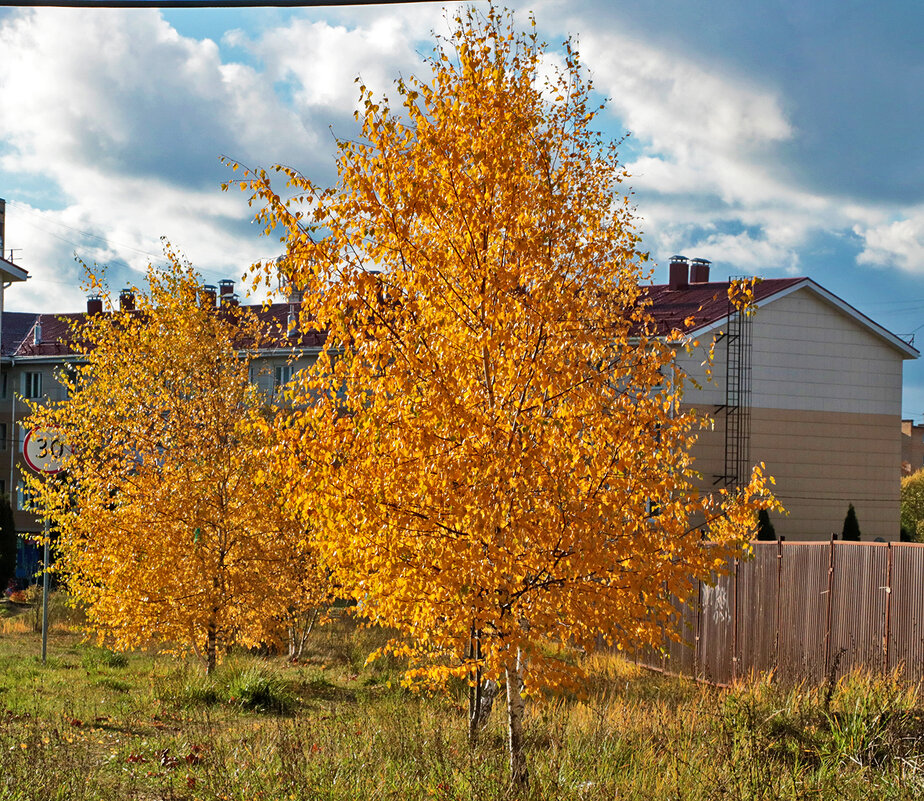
point(805, 611)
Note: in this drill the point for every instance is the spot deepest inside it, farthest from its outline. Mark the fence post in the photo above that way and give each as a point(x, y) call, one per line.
point(828, 607)
point(735, 629)
point(779, 609)
point(697, 628)
point(887, 636)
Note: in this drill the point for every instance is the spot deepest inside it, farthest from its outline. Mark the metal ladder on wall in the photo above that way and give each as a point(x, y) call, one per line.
point(737, 406)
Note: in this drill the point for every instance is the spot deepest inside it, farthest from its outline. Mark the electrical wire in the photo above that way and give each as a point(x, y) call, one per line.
point(114, 245)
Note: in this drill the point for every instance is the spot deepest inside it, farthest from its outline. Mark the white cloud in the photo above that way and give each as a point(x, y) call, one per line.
point(323, 60)
point(898, 243)
point(122, 91)
point(678, 105)
point(711, 160)
point(125, 120)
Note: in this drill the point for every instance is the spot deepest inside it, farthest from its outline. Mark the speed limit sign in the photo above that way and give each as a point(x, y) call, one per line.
point(44, 451)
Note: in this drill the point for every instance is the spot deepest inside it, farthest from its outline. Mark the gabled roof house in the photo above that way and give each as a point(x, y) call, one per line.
point(807, 384)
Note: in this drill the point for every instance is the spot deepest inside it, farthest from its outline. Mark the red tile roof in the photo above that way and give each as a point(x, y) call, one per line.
point(57, 332)
point(704, 303)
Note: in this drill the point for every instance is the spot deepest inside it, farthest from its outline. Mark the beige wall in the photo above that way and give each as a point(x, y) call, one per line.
point(807, 355)
point(912, 447)
point(825, 416)
point(822, 462)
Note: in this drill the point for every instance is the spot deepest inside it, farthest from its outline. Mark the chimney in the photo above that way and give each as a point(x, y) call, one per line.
point(679, 278)
point(207, 296)
point(94, 304)
point(293, 295)
point(225, 287)
point(228, 300)
point(127, 300)
point(37, 332)
point(699, 271)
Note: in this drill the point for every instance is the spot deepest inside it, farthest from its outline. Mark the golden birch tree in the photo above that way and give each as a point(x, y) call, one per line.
point(912, 505)
point(493, 444)
point(168, 528)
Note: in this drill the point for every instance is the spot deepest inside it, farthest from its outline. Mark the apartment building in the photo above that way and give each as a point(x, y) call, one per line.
point(36, 348)
point(912, 447)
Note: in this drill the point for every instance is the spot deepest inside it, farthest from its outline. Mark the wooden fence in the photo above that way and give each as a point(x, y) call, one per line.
point(805, 610)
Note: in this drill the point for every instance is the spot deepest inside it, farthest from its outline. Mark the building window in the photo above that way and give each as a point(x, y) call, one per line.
point(2, 486)
point(282, 375)
point(4, 383)
point(68, 374)
point(23, 497)
point(32, 385)
point(3, 443)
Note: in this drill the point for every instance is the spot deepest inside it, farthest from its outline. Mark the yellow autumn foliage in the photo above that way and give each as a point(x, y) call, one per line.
point(493, 444)
point(167, 526)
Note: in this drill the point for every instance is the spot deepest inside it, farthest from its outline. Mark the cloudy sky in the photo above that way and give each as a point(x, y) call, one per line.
point(774, 138)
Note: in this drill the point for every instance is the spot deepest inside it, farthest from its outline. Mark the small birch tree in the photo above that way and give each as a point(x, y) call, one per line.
point(494, 421)
point(168, 528)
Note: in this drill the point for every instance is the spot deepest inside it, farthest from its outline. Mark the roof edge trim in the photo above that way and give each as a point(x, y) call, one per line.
point(12, 272)
point(909, 351)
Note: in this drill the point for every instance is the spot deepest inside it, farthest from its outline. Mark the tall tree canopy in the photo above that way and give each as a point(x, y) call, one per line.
point(493, 443)
point(167, 526)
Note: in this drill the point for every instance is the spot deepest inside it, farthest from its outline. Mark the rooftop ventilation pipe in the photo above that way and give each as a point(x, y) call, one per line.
point(207, 296)
point(126, 300)
point(699, 271)
point(679, 278)
point(37, 332)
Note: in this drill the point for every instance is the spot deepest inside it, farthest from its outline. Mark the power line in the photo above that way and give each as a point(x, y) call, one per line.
point(204, 3)
point(114, 245)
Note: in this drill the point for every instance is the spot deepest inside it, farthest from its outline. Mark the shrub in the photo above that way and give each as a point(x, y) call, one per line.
point(8, 541)
point(912, 506)
point(765, 530)
point(259, 689)
point(103, 657)
point(851, 530)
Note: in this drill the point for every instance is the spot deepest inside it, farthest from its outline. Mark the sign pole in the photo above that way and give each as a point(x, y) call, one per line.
point(45, 583)
point(43, 452)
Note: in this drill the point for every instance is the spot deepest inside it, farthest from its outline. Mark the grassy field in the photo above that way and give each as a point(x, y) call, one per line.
point(91, 724)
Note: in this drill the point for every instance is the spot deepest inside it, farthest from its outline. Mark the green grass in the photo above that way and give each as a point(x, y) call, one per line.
point(91, 724)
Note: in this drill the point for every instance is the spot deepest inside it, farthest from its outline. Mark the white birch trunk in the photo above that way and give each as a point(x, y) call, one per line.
point(518, 775)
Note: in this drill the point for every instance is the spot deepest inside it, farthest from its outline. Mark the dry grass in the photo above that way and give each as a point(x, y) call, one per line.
point(95, 725)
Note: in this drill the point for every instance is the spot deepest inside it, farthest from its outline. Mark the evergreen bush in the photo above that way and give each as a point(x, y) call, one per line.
point(851, 531)
point(765, 530)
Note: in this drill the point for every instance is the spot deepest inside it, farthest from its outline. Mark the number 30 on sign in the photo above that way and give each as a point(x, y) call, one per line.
point(44, 451)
